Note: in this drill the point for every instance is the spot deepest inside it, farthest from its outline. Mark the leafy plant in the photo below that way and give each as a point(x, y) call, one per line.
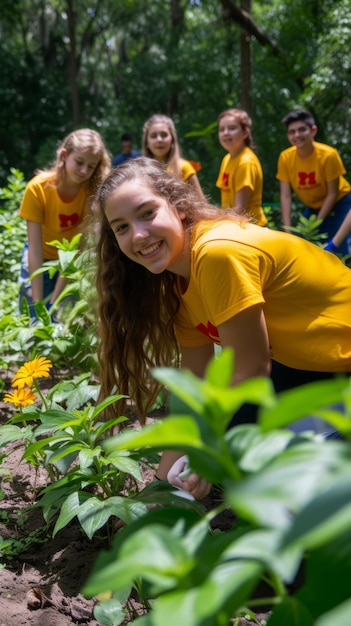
point(67, 442)
point(289, 492)
point(12, 227)
point(309, 228)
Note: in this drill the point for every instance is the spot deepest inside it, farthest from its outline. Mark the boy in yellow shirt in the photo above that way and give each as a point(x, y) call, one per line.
point(315, 172)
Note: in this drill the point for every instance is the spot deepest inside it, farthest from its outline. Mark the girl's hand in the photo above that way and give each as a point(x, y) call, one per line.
point(181, 476)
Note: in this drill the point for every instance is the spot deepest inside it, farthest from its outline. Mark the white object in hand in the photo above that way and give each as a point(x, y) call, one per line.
point(180, 470)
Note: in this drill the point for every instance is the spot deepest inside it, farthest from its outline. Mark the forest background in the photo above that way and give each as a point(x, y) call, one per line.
point(110, 64)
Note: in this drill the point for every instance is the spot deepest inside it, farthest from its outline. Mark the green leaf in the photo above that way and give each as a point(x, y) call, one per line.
point(105, 403)
point(291, 612)
point(110, 612)
point(340, 616)
point(125, 464)
point(223, 592)
point(9, 433)
point(325, 516)
point(219, 371)
point(94, 513)
point(283, 487)
point(69, 509)
point(152, 552)
point(296, 403)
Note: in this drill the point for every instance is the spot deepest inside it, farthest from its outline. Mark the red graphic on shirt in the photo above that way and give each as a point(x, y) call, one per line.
point(225, 179)
point(307, 178)
point(68, 220)
point(210, 331)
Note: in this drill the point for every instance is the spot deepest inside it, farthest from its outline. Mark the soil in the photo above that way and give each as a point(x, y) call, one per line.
point(42, 585)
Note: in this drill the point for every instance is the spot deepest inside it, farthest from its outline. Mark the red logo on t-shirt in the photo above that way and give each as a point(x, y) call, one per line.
point(68, 220)
point(307, 178)
point(210, 331)
point(225, 179)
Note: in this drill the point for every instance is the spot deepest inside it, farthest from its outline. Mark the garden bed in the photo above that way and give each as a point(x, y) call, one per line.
point(41, 585)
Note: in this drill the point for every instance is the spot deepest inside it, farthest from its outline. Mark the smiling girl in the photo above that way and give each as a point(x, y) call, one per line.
point(176, 275)
point(160, 142)
point(240, 177)
point(55, 203)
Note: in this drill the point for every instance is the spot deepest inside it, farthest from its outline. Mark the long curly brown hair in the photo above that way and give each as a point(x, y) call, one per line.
point(136, 307)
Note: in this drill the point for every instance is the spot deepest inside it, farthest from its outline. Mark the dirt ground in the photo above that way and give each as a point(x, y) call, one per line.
point(42, 585)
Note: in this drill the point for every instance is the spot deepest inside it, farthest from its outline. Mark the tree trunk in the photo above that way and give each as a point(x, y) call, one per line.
point(246, 62)
point(73, 63)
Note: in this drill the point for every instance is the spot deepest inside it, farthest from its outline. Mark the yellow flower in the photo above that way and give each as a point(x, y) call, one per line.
point(20, 397)
point(38, 368)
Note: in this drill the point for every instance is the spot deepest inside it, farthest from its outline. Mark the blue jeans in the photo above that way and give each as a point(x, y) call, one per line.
point(25, 286)
point(334, 220)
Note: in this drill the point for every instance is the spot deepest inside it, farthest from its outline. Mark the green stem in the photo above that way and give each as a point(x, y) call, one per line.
point(42, 397)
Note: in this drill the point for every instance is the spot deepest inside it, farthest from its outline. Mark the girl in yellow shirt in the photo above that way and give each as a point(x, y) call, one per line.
point(160, 142)
point(54, 204)
point(176, 275)
point(240, 177)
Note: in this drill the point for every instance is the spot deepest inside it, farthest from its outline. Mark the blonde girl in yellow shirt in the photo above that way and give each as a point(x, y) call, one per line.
point(54, 205)
point(160, 142)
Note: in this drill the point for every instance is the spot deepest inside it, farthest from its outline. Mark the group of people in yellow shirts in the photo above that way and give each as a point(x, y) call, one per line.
point(313, 171)
point(177, 275)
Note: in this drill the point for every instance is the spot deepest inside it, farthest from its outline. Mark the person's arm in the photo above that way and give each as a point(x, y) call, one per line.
point(194, 181)
point(342, 233)
point(196, 360)
point(35, 257)
point(246, 333)
point(59, 286)
point(330, 199)
point(242, 199)
point(285, 203)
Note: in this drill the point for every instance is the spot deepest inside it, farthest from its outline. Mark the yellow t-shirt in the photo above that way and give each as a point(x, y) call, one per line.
point(309, 177)
point(41, 203)
point(304, 290)
point(187, 170)
point(242, 170)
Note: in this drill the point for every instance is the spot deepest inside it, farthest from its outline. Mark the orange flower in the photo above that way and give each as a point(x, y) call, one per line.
point(20, 397)
point(38, 368)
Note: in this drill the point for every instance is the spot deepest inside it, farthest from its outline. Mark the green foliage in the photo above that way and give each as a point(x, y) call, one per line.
point(67, 441)
point(12, 227)
point(290, 493)
point(71, 343)
point(308, 227)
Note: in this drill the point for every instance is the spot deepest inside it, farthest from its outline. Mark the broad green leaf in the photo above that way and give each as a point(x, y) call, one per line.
point(325, 516)
point(297, 403)
point(290, 612)
point(94, 513)
point(252, 449)
point(340, 616)
point(9, 433)
point(166, 433)
point(219, 371)
point(180, 433)
point(105, 403)
point(224, 591)
point(110, 612)
point(283, 487)
point(153, 553)
point(70, 508)
point(264, 546)
point(125, 464)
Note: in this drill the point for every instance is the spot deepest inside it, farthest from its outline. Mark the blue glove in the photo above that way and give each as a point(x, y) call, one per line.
point(331, 247)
